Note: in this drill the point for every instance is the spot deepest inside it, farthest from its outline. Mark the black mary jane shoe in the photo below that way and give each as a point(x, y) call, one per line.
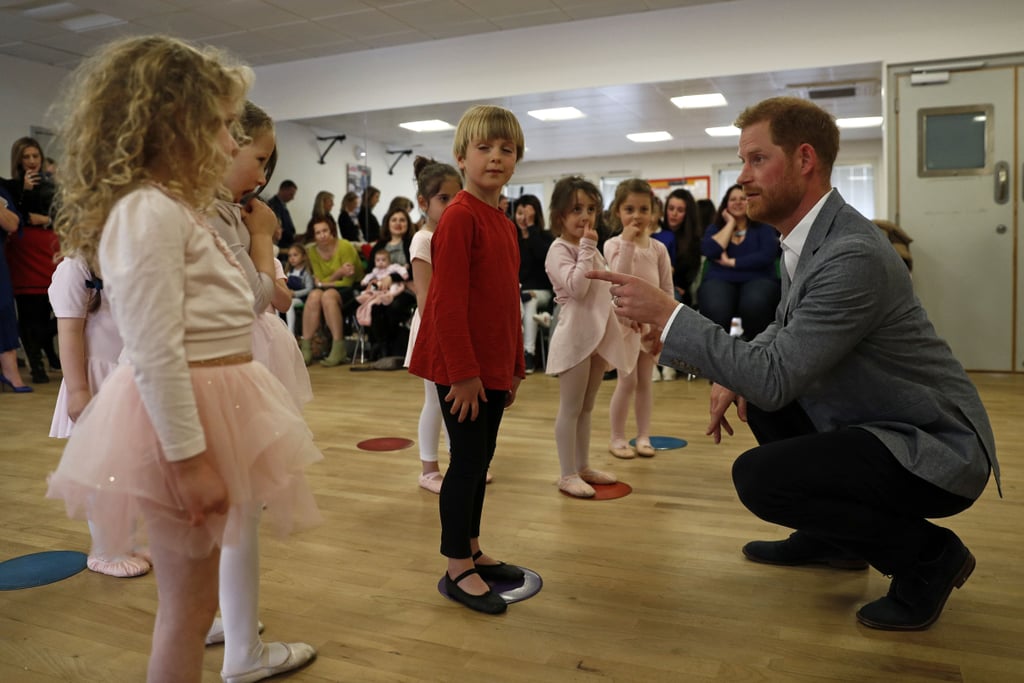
point(488, 603)
point(507, 573)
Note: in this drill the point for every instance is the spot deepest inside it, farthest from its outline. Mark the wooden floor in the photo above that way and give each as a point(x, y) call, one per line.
point(651, 587)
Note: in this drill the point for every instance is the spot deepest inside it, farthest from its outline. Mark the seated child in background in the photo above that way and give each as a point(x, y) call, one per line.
point(300, 281)
point(382, 285)
point(383, 269)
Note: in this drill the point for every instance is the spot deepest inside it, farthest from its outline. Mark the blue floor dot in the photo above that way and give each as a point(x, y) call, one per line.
point(663, 443)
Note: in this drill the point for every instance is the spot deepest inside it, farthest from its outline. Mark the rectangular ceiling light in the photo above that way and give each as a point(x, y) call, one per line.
point(860, 122)
point(557, 114)
point(722, 131)
point(91, 22)
point(57, 11)
point(430, 126)
point(652, 136)
point(713, 99)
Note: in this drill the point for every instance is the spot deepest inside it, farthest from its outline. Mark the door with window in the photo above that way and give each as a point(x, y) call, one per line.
point(957, 176)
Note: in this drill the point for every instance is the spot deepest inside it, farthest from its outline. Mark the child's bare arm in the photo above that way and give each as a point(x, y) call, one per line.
point(421, 274)
point(71, 343)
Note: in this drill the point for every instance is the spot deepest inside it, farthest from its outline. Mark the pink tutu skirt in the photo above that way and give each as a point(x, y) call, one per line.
point(113, 467)
point(98, 370)
point(274, 346)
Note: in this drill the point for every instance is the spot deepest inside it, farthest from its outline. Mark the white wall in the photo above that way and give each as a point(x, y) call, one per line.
point(701, 162)
point(26, 91)
point(299, 151)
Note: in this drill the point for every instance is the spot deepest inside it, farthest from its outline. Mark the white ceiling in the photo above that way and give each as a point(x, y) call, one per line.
point(275, 31)
point(611, 112)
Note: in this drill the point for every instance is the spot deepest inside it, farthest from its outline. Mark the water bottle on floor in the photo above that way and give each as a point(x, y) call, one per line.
point(736, 328)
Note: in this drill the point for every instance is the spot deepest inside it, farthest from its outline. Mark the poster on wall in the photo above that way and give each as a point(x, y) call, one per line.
point(698, 185)
point(358, 178)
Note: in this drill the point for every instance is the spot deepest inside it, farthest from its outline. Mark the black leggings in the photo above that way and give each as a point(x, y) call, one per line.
point(462, 491)
point(386, 325)
point(843, 487)
point(37, 328)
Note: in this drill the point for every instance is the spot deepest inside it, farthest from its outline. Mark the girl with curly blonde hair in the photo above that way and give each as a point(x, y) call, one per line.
point(179, 432)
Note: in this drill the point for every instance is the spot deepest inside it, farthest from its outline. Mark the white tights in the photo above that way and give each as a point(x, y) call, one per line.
point(577, 390)
point(431, 423)
point(244, 650)
point(639, 383)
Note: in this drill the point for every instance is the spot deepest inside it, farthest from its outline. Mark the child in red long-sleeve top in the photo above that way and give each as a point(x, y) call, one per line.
point(470, 342)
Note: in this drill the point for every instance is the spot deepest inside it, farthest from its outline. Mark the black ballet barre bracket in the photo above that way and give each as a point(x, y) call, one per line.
point(401, 153)
point(333, 139)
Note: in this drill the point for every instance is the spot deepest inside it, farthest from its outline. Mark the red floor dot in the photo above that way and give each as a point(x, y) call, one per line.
point(607, 491)
point(384, 443)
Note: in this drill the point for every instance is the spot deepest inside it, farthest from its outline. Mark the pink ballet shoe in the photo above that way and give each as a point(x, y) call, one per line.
point(299, 654)
point(431, 481)
point(121, 567)
point(592, 476)
point(576, 487)
point(143, 554)
point(645, 450)
point(625, 452)
point(488, 479)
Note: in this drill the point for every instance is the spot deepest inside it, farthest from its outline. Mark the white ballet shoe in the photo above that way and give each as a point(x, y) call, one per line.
point(215, 635)
point(299, 654)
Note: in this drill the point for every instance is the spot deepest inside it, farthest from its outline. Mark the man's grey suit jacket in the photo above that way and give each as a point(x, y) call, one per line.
point(851, 343)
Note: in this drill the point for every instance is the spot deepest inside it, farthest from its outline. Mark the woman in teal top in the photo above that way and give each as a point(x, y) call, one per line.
point(336, 269)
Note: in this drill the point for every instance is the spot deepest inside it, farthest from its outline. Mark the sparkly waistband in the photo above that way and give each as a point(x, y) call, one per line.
point(233, 359)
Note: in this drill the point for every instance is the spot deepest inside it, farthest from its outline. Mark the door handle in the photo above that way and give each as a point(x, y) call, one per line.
point(1002, 178)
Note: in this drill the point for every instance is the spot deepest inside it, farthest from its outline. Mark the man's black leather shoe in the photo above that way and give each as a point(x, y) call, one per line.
point(800, 549)
point(916, 597)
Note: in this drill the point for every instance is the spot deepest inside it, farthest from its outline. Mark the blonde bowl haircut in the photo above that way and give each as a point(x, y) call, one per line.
point(142, 108)
point(487, 122)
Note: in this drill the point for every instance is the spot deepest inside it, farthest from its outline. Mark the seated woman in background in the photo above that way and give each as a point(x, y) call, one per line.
point(396, 236)
point(387, 334)
point(348, 219)
point(682, 220)
point(535, 287)
point(742, 277)
point(336, 269)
